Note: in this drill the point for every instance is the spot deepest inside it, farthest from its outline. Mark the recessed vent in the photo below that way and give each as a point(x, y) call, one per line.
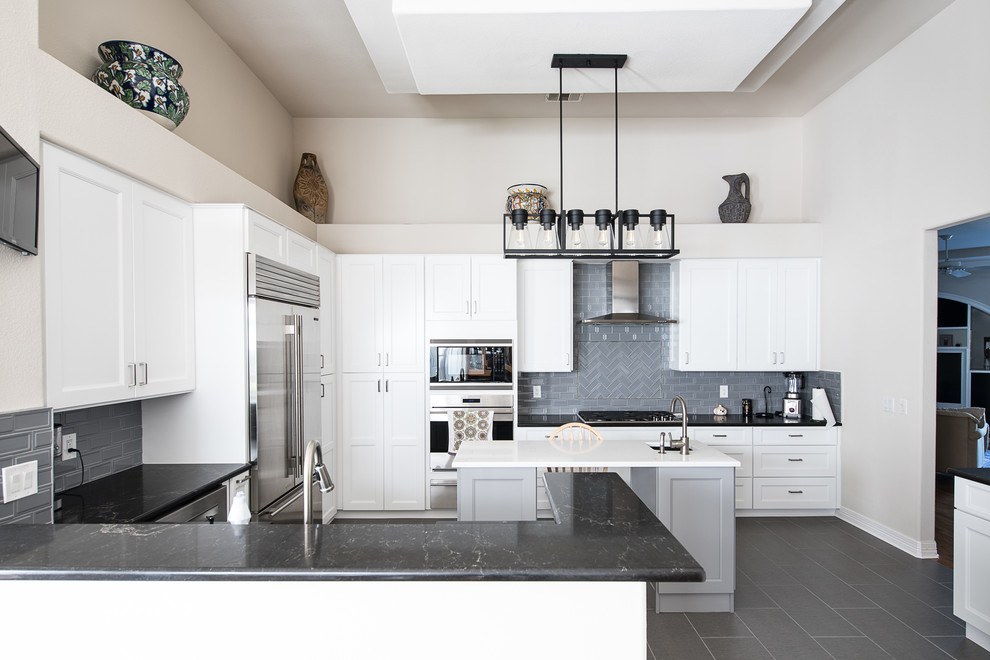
point(564, 98)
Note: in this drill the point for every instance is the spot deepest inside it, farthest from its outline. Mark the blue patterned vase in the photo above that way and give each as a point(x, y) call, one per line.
point(144, 78)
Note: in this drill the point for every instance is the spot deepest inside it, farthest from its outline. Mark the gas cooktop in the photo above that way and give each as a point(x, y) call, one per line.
point(626, 416)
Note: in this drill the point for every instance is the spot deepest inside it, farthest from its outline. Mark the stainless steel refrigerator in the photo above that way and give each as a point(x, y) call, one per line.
point(283, 385)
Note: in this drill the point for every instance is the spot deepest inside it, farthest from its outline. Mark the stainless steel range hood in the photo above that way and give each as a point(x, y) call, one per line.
point(625, 298)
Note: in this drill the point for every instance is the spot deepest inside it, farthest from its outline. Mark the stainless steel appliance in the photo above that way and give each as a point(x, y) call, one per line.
point(442, 477)
point(284, 385)
point(209, 508)
point(616, 417)
point(793, 405)
point(458, 363)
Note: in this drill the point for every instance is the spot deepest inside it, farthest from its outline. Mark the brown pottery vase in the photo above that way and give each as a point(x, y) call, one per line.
point(310, 190)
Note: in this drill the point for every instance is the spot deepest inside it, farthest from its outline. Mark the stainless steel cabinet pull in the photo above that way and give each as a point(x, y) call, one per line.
point(782, 357)
point(795, 492)
point(131, 374)
point(323, 362)
point(795, 460)
point(773, 358)
point(720, 435)
point(795, 435)
point(386, 385)
point(686, 356)
point(475, 306)
point(567, 359)
point(323, 390)
point(143, 380)
point(386, 359)
point(467, 306)
point(379, 359)
point(379, 384)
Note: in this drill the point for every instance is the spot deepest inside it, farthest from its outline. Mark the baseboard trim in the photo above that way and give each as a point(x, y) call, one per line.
point(919, 549)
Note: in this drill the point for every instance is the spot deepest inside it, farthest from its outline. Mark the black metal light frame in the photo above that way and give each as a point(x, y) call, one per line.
point(616, 226)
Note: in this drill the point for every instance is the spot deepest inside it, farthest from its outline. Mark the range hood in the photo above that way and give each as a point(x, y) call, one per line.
point(625, 298)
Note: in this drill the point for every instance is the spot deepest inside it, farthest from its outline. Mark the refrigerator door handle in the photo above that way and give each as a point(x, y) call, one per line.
point(300, 395)
point(289, 351)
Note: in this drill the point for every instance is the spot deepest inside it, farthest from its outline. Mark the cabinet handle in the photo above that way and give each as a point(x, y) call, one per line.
point(773, 358)
point(782, 357)
point(322, 361)
point(795, 435)
point(386, 385)
point(386, 359)
point(719, 435)
point(475, 306)
point(379, 385)
point(567, 359)
point(131, 374)
point(143, 366)
point(467, 306)
point(686, 356)
point(795, 492)
point(323, 391)
point(379, 359)
point(795, 460)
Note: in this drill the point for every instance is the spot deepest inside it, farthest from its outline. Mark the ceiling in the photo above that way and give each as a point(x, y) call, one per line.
point(454, 58)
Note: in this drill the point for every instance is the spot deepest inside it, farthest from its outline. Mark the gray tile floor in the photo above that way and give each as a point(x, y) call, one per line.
point(820, 588)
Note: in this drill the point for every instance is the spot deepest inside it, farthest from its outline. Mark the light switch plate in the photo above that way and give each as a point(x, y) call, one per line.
point(888, 404)
point(537, 391)
point(723, 391)
point(20, 481)
point(902, 406)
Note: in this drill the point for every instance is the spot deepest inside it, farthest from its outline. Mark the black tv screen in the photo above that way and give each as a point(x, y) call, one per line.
point(18, 197)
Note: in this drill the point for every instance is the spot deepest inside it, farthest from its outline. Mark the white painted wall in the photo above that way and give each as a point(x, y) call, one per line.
point(232, 115)
point(899, 150)
point(384, 171)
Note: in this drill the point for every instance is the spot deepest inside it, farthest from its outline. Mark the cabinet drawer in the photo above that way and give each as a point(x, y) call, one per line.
point(536, 433)
point(721, 436)
point(972, 497)
point(742, 454)
point(802, 493)
point(774, 461)
point(793, 436)
point(744, 493)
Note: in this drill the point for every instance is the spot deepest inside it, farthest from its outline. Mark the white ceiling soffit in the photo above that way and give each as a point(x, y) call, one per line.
point(505, 46)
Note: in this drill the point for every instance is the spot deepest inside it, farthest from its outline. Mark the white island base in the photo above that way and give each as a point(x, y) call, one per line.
point(693, 496)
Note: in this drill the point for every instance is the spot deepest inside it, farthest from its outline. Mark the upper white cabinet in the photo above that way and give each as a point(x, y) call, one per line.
point(381, 313)
point(328, 278)
point(119, 297)
point(470, 287)
point(271, 240)
point(748, 315)
point(546, 324)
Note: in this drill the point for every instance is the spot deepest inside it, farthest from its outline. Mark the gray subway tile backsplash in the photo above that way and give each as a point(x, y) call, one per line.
point(27, 436)
point(109, 438)
point(627, 367)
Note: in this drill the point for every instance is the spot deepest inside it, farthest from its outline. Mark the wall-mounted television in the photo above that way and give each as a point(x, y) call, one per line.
point(18, 197)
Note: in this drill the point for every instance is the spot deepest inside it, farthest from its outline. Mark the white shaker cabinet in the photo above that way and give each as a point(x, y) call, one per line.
point(271, 240)
point(381, 313)
point(328, 441)
point(748, 315)
point(478, 287)
point(971, 547)
point(546, 323)
point(707, 321)
point(328, 278)
point(119, 297)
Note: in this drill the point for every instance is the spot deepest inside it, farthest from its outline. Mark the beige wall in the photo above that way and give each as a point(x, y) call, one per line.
point(456, 171)
point(232, 115)
point(898, 151)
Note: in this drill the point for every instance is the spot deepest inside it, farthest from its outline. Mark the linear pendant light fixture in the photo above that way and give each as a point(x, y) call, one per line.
point(570, 234)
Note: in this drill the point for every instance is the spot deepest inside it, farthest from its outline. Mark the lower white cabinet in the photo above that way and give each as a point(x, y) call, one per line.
point(971, 548)
point(328, 441)
point(795, 468)
point(382, 441)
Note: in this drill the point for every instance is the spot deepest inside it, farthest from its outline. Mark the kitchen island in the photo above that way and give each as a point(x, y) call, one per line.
point(693, 495)
point(355, 590)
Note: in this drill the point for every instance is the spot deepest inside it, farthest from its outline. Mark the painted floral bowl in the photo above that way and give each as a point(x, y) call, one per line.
point(529, 196)
point(145, 78)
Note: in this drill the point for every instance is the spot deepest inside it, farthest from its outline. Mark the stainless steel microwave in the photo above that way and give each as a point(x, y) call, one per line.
point(473, 363)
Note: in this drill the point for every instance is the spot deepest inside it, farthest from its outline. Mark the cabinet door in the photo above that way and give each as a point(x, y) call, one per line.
point(266, 237)
point(493, 288)
point(164, 305)
point(403, 331)
point(361, 442)
point(328, 441)
point(971, 545)
point(327, 273)
point(797, 319)
point(405, 438)
point(546, 323)
point(707, 323)
point(89, 317)
point(448, 287)
point(360, 291)
point(301, 253)
point(758, 319)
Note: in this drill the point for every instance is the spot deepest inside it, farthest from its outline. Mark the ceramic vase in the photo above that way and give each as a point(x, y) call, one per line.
point(310, 190)
point(736, 206)
point(145, 78)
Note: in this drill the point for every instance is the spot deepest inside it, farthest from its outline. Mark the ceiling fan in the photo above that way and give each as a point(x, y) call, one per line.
point(949, 268)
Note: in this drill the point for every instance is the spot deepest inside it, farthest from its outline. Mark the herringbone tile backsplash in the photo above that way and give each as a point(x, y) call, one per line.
point(626, 366)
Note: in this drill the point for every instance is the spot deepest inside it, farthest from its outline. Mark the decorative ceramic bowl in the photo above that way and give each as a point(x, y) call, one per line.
point(145, 78)
point(529, 196)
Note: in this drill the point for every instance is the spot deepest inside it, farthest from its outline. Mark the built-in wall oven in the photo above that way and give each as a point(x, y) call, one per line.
point(465, 375)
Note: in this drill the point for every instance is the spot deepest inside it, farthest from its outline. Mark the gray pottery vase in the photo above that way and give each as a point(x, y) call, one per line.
point(736, 206)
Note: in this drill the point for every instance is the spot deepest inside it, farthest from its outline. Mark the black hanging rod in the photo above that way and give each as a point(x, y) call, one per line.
point(578, 61)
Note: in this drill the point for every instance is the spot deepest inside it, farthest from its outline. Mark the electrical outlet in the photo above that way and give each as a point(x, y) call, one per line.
point(68, 442)
point(902, 406)
point(723, 391)
point(888, 404)
point(20, 481)
point(537, 391)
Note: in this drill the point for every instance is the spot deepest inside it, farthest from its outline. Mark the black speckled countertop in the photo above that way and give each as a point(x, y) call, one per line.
point(979, 475)
point(141, 493)
point(529, 420)
point(602, 532)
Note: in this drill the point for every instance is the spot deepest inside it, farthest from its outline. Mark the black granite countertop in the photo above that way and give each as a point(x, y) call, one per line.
point(529, 420)
point(141, 493)
point(602, 532)
point(979, 475)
